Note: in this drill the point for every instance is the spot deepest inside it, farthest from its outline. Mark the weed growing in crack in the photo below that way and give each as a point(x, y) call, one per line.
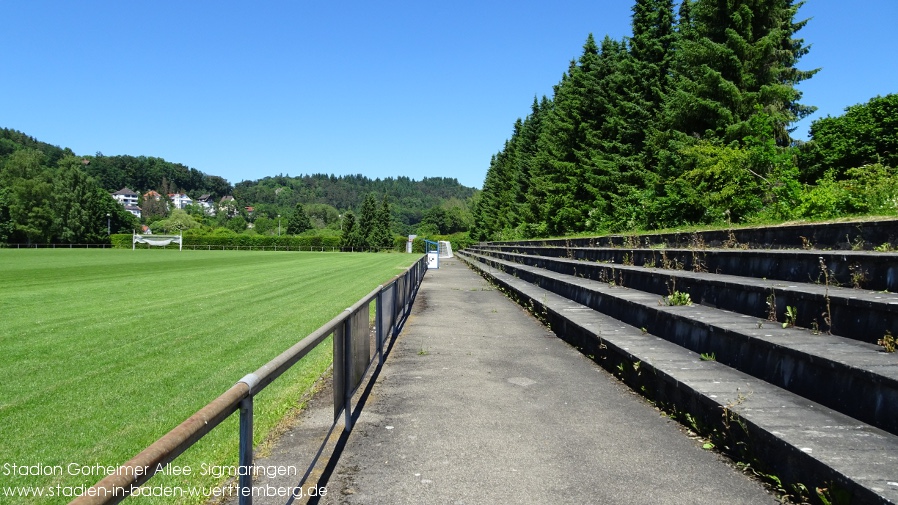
point(650, 263)
point(731, 237)
point(678, 298)
point(697, 241)
point(613, 280)
point(888, 342)
point(771, 306)
point(791, 316)
point(698, 262)
point(858, 276)
point(857, 244)
point(675, 297)
point(827, 316)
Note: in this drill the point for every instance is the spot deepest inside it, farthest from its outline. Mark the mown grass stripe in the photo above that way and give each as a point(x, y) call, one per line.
point(106, 350)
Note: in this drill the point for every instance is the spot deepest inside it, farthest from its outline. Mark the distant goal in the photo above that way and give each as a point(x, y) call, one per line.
point(157, 240)
point(445, 249)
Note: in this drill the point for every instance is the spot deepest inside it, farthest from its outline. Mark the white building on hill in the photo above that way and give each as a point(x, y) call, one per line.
point(125, 196)
point(180, 200)
point(128, 199)
point(134, 210)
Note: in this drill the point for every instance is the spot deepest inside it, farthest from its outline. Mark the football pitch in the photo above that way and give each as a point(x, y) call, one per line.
point(104, 351)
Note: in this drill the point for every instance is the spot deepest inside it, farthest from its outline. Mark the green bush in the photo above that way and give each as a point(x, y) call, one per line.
point(120, 240)
point(871, 189)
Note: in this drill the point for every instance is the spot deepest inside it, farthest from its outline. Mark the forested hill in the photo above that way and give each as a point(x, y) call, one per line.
point(51, 194)
point(409, 198)
point(140, 173)
point(143, 173)
point(13, 140)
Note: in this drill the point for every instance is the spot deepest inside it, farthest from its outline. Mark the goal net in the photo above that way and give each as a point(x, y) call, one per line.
point(156, 240)
point(445, 249)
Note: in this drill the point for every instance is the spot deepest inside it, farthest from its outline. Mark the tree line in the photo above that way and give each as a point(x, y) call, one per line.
point(686, 121)
point(50, 195)
point(411, 201)
point(46, 196)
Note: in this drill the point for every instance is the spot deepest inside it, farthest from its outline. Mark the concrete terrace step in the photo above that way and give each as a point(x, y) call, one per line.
point(849, 376)
point(796, 439)
point(857, 314)
point(870, 270)
point(865, 234)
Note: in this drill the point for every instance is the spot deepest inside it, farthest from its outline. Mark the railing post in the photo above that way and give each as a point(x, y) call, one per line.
point(379, 323)
point(245, 480)
point(393, 314)
point(409, 288)
point(347, 373)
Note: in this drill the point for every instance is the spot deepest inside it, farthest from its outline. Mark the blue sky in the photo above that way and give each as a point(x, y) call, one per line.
point(421, 89)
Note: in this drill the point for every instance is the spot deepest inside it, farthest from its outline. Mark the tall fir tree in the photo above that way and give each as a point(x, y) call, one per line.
point(636, 91)
point(351, 239)
point(733, 60)
point(567, 179)
point(299, 221)
point(380, 237)
point(733, 56)
point(367, 222)
point(527, 157)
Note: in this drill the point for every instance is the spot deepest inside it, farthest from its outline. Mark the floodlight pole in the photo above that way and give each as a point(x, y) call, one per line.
point(279, 225)
point(108, 224)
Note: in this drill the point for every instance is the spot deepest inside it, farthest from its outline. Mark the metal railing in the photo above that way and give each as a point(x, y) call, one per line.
point(352, 357)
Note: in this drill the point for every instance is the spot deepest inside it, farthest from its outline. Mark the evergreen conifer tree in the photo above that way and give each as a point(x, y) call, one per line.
point(567, 182)
point(368, 222)
point(381, 237)
point(733, 60)
point(526, 159)
point(731, 57)
point(635, 91)
point(351, 239)
point(299, 221)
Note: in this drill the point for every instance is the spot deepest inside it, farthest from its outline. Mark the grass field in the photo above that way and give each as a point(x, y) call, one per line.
point(103, 351)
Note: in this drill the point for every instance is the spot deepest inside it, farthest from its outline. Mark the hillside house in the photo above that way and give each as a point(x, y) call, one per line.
point(180, 200)
point(228, 205)
point(128, 199)
point(134, 209)
point(152, 195)
point(207, 203)
point(125, 197)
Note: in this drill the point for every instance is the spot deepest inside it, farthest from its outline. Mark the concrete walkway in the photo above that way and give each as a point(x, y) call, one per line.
point(480, 403)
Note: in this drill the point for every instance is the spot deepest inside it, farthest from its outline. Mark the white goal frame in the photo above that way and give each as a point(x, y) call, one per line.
point(157, 240)
point(445, 249)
